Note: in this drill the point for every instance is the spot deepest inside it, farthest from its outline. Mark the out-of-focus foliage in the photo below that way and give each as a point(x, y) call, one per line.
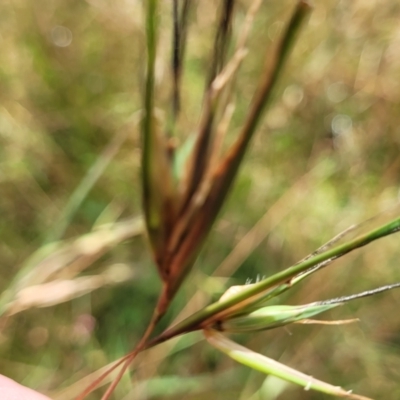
point(327, 156)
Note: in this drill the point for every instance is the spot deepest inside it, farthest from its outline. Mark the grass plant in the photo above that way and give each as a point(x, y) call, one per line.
point(187, 172)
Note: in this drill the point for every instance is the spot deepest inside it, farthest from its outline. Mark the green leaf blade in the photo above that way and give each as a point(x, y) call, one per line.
point(266, 365)
point(273, 317)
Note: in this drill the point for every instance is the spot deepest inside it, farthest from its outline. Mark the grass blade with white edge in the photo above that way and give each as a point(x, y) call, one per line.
point(272, 317)
point(266, 365)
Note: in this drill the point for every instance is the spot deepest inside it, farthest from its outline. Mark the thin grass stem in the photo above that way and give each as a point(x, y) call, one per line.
point(204, 317)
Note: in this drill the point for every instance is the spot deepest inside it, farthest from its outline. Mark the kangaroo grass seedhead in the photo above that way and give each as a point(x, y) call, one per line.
point(184, 190)
point(185, 187)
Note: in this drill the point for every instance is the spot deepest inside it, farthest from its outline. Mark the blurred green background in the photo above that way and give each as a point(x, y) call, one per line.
point(326, 157)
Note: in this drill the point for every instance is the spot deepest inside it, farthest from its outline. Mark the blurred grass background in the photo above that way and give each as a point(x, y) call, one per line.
point(326, 157)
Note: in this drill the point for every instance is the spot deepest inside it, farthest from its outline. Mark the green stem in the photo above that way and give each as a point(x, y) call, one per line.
point(151, 34)
point(200, 319)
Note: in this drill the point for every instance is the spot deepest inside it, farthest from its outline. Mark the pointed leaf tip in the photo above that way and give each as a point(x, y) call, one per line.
point(267, 365)
point(272, 317)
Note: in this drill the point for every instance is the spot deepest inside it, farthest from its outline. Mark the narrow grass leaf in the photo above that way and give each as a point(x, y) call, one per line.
point(62, 290)
point(159, 197)
point(213, 312)
point(266, 365)
point(222, 39)
point(86, 184)
point(198, 162)
point(180, 31)
point(66, 259)
point(272, 317)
